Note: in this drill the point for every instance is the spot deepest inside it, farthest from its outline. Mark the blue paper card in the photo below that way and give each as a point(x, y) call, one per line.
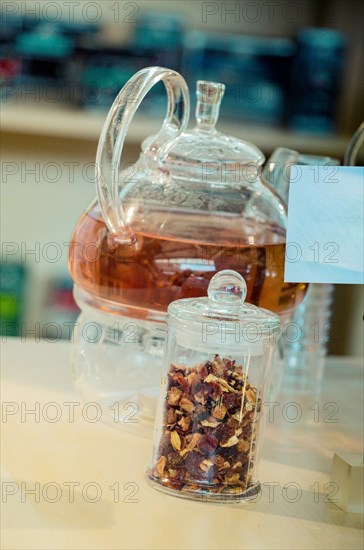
point(325, 225)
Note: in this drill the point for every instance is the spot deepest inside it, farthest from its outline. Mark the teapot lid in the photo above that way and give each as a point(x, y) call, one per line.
point(204, 144)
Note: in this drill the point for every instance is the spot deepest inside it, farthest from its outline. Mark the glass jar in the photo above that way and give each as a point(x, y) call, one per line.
point(209, 422)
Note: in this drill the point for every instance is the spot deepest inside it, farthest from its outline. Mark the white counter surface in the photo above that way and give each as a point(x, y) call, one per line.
point(89, 490)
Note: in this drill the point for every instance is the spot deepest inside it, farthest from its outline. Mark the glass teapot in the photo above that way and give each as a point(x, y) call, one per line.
point(193, 204)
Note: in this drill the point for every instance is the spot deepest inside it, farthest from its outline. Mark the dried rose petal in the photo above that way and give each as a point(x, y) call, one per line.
point(237, 416)
point(174, 458)
point(193, 381)
point(174, 396)
point(202, 371)
point(187, 405)
point(209, 469)
point(237, 467)
point(207, 444)
point(200, 412)
point(218, 366)
point(192, 443)
point(184, 422)
point(210, 422)
point(177, 481)
point(181, 368)
point(251, 395)
point(233, 478)
point(233, 440)
point(220, 462)
point(216, 390)
point(247, 431)
point(183, 441)
point(236, 376)
point(201, 397)
point(224, 385)
point(171, 416)
point(193, 462)
point(164, 444)
point(211, 378)
point(219, 411)
point(224, 432)
point(182, 382)
point(206, 465)
point(229, 454)
point(160, 466)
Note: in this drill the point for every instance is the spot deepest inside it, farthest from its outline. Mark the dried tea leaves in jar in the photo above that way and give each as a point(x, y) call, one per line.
point(209, 430)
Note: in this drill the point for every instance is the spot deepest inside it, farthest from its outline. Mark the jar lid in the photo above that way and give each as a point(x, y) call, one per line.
point(223, 318)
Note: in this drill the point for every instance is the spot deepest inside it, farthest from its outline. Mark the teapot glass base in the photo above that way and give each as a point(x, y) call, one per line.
point(132, 411)
point(116, 364)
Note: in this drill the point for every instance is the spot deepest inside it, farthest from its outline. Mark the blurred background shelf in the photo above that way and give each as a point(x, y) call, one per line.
point(73, 124)
point(48, 149)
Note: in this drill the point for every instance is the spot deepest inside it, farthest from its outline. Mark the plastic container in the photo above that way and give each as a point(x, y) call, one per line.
point(305, 355)
point(304, 350)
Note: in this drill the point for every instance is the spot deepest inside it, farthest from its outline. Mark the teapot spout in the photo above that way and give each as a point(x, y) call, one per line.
point(277, 169)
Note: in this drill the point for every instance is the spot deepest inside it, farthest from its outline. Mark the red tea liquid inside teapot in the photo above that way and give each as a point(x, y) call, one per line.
point(147, 276)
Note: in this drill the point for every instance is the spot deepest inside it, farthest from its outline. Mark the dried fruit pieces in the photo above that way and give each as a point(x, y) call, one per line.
point(175, 441)
point(209, 431)
point(174, 396)
point(187, 405)
point(159, 467)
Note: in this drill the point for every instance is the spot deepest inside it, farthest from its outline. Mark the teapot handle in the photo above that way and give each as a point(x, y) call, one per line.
point(112, 139)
